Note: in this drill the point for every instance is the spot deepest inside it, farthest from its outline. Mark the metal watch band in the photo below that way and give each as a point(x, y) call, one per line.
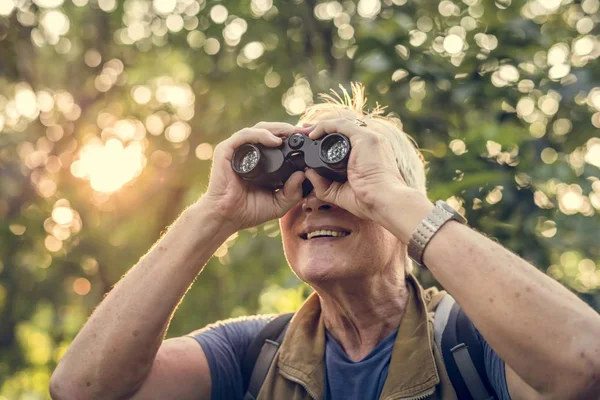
point(429, 226)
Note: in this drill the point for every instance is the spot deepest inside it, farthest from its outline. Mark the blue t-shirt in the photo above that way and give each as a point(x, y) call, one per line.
point(346, 379)
point(225, 343)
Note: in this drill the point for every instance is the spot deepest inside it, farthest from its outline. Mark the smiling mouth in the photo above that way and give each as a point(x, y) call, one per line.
point(340, 235)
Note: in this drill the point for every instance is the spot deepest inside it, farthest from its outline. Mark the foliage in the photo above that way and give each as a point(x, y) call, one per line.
point(109, 112)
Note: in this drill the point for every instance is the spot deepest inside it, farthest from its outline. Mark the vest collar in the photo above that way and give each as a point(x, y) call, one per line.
point(412, 372)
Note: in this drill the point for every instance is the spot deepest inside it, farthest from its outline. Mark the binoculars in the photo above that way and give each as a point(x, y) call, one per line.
point(270, 167)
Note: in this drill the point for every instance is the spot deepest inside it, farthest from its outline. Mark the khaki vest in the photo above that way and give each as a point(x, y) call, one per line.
point(416, 369)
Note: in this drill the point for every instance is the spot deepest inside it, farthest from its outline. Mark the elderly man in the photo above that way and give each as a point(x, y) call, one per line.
point(366, 331)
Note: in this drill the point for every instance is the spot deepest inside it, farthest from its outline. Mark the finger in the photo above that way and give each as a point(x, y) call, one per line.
point(291, 193)
point(339, 125)
point(321, 185)
point(226, 148)
point(254, 135)
point(278, 128)
point(307, 129)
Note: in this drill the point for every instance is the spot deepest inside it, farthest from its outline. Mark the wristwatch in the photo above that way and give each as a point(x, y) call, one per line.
point(429, 226)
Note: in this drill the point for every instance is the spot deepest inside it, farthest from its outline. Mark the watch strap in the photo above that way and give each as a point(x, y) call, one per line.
point(428, 227)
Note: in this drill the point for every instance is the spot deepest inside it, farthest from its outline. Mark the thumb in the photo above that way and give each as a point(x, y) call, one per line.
point(291, 193)
point(325, 189)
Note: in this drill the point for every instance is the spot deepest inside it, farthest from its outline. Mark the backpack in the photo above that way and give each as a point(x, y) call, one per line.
point(454, 335)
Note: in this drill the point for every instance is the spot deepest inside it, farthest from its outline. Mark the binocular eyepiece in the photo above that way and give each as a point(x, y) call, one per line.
point(270, 167)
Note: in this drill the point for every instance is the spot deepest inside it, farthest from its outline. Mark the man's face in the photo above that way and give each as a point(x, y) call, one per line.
point(368, 249)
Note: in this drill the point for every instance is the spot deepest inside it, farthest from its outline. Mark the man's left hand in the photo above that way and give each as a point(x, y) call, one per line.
point(372, 169)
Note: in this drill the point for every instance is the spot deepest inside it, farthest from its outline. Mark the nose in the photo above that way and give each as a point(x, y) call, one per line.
point(311, 203)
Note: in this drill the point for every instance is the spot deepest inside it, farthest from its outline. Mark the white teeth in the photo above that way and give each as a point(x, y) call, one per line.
point(310, 235)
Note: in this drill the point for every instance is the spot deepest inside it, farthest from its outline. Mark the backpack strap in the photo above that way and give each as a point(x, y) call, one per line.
point(260, 354)
point(462, 351)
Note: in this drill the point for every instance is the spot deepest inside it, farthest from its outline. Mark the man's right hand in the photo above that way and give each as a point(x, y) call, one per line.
point(239, 204)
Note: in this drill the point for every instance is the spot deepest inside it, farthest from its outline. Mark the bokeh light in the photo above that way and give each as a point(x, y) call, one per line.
point(204, 151)
point(453, 44)
point(260, 7)
point(369, 8)
point(6, 7)
point(164, 6)
point(81, 286)
point(298, 97)
point(218, 14)
point(108, 166)
point(253, 50)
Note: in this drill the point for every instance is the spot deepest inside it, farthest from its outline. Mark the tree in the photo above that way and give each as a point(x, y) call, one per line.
point(109, 112)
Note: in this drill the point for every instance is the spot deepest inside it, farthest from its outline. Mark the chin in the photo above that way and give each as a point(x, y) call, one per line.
point(326, 269)
point(317, 272)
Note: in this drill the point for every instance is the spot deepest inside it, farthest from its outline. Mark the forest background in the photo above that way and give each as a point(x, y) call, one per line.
point(110, 111)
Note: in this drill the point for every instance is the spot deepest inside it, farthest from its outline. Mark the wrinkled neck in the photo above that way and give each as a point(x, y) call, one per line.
point(360, 313)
